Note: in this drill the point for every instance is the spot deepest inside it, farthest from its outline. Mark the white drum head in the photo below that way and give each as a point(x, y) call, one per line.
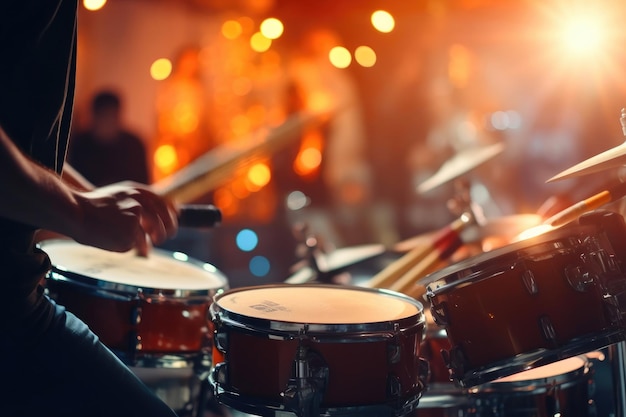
point(318, 304)
point(160, 270)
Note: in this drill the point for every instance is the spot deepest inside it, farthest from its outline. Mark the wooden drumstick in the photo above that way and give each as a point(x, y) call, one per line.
point(427, 265)
point(217, 166)
point(446, 239)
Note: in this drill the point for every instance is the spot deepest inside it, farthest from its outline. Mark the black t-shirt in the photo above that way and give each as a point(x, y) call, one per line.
point(37, 71)
point(120, 159)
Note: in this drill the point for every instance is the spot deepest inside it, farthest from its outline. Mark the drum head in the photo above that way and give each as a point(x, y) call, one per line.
point(561, 373)
point(165, 271)
point(319, 307)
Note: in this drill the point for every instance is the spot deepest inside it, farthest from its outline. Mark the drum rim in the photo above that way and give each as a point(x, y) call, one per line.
point(290, 329)
point(445, 279)
point(61, 274)
point(540, 357)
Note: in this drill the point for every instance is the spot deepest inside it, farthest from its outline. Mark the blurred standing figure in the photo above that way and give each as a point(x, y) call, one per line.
point(107, 152)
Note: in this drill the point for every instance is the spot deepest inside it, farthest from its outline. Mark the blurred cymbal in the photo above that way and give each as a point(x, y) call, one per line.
point(609, 159)
point(335, 261)
point(459, 164)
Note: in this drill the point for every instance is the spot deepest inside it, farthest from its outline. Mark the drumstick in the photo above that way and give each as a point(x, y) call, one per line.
point(595, 201)
point(446, 239)
point(409, 280)
point(218, 165)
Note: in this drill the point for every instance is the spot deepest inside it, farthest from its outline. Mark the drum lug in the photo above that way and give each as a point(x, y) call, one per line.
point(394, 386)
point(547, 329)
point(394, 348)
point(578, 278)
point(456, 362)
point(305, 390)
point(219, 373)
point(439, 313)
point(135, 315)
point(528, 278)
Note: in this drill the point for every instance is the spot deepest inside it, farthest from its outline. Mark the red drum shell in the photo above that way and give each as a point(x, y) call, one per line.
point(259, 352)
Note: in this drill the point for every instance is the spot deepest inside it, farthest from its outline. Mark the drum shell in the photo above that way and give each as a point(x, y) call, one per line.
point(260, 361)
point(553, 294)
point(149, 324)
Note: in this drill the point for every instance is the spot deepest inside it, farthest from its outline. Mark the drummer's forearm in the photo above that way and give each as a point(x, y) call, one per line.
point(31, 193)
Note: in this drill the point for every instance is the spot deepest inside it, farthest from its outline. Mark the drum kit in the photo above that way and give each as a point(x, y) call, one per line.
point(518, 330)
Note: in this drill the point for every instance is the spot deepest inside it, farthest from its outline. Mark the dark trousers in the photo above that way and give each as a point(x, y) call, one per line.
point(66, 372)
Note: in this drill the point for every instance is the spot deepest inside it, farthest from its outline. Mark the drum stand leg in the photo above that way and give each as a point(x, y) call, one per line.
point(618, 361)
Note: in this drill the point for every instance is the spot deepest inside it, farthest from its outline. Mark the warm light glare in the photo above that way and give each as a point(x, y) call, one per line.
point(94, 5)
point(583, 34)
point(231, 29)
point(260, 43)
point(272, 28)
point(365, 56)
point(166, 158)
point(340, 57)
point(383, 21)
point(161, 69)
point(259, 175)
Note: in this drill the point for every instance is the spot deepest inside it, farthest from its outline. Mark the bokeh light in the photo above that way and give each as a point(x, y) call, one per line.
point(259, 43)
point(161, 69)
point(383, 21)
point(94, 5)
point(166, 158)
point(231, 29)
point(272, 28)
point(259, 174)
point(259, 266)
point(340, 57)
point(247, 240)
point(365, 56)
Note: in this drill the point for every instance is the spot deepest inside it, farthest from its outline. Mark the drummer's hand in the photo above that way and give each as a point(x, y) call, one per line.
point(123, 216)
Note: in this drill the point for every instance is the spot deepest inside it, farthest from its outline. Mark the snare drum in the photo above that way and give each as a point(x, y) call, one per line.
point(532, 302)
point(313, 348)
point(151, 309)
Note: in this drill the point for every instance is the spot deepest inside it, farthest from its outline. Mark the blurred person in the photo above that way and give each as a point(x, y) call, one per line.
point(107, 152)
point(57, 366)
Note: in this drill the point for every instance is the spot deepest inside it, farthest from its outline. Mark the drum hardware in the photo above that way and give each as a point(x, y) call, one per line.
point(305, 390)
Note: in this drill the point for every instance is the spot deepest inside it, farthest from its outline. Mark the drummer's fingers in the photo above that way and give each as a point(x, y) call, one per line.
point(159, 209)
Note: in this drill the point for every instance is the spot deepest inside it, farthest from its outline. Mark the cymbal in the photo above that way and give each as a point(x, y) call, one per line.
point(609, 159)
point(459, 164)
point(336, 261)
